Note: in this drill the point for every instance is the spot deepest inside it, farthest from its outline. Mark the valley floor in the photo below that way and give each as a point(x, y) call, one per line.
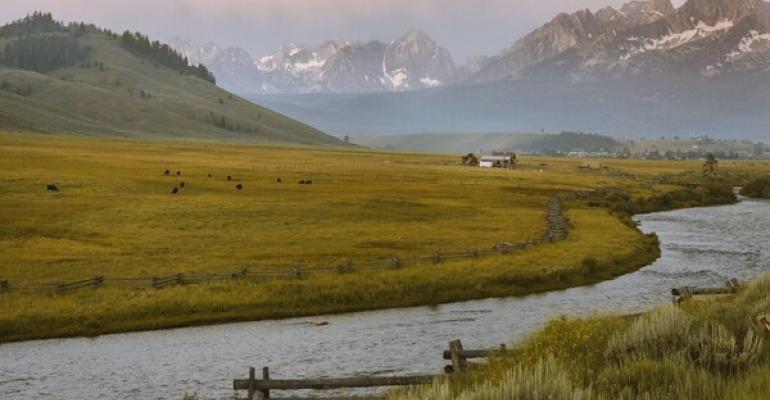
point(114, 216)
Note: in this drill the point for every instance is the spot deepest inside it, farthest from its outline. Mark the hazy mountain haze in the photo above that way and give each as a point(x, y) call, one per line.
point(467, 28)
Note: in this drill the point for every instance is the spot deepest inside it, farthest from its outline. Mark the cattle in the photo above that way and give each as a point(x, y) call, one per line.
point(239, 186)
point(181, 184)
point(229, 178)
point(174, 191)
point(166, 172)
point(52, 188)
point(308, 182)
point(301, 182)
point(279, 180)
point(178, 173)
point(209, 175)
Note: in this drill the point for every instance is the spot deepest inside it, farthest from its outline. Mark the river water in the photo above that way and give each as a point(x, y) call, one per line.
point(701, 246)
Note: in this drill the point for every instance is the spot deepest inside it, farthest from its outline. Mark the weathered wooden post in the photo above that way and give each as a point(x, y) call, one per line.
point(252, 383)
point(240, 274)
point(266, 379)
point(458, 361)
point(436, 257)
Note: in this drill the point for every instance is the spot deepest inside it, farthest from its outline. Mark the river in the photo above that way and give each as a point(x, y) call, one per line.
point(701, 246)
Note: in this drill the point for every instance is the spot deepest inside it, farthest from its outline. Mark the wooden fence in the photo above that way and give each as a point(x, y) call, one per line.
point(557, 228)
point(262, 388)
point(684, 293)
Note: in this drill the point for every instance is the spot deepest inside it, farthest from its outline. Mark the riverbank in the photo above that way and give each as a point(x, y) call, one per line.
point(107, 223)
point(708, 349)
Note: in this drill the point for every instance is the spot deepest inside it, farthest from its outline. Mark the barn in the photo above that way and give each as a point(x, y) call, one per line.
point(498, 161)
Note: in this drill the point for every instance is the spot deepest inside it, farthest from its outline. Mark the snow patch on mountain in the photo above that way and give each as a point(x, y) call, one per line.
point(674, 40)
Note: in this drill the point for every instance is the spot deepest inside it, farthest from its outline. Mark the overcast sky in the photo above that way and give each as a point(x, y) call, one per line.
point(466, 27)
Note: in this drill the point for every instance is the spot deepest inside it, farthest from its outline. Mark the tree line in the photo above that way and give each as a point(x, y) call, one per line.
point(163, 54)
point(40, 43)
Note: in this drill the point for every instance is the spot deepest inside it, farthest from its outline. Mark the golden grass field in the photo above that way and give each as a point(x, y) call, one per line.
point(114, 216)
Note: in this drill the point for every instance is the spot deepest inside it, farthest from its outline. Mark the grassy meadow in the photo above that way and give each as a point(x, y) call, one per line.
point(708, 349)
point(114, 216)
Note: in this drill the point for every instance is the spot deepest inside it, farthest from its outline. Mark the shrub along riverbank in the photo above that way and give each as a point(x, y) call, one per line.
point(706, 350)
point(758, 188)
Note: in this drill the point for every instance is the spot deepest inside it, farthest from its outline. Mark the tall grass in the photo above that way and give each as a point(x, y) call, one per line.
point(706, 350)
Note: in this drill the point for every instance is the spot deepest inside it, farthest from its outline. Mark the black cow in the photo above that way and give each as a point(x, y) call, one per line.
point(229, 178)
point(174, 191)
point(239, 186)
point(301, 182)
point(279, 180)
point(178, 173)
point(181, 184)
point(52, 188)
point(308, 182)
point(209, 175)
point(167, 172)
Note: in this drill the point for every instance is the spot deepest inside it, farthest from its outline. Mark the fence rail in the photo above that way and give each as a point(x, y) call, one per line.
point(262, 388)
point(557, 228)
point(92, 283)
point(684, 293)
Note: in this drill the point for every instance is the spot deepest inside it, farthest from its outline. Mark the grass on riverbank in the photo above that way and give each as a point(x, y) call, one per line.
point(757, 188)
point(114, 216)
point(705, 350)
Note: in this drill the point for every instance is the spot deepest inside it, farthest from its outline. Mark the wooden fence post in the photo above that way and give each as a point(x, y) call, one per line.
point(240, 274)
point(436, 257)
point(458, 362)
point(251, 383)
point(265, 378)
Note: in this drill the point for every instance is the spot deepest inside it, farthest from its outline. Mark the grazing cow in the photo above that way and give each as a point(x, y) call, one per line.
point(174, 191)
point(239, 186)
point(279, 180)
point(52, 188)
point(178, 173)
point(181, 184)
point(209, 175)
point(167, 172)
point(229, 178)
point(301, 182)
point(308, 182)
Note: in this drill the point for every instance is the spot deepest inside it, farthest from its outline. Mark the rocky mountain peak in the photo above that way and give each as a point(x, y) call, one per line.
point(714, 11)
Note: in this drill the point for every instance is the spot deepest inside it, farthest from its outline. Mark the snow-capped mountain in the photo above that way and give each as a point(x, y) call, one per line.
point(706, 37)
point(413, 61)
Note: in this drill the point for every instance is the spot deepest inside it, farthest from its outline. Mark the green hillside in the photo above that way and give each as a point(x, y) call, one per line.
point(81, 79)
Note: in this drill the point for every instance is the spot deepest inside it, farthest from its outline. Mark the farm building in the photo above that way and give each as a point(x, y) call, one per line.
point(502, 160)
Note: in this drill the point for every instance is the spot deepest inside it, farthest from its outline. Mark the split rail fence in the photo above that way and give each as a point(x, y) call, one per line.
point(263, 388)
point(557, 228)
